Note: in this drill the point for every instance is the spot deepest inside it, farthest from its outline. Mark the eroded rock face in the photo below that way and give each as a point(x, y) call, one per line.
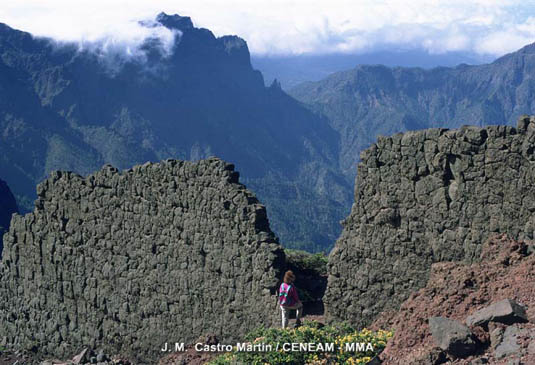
point(425, 197)
point(129, 261)
point(8, 206)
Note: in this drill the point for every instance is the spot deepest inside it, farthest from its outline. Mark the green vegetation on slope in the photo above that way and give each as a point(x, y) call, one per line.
point(303, 260)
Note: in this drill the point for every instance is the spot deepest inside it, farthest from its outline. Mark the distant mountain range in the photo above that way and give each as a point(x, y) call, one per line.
point(369, 101)
point(68, 109)
point(292, 70)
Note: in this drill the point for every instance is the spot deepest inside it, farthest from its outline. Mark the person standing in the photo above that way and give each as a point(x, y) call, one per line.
point(289, 300)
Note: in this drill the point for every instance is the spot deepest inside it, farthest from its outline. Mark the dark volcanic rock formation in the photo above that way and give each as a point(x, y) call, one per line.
point(425, 197)
point(128, 261)
point(8, 206)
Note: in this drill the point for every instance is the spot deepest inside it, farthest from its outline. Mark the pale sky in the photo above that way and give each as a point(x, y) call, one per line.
point(282, 27)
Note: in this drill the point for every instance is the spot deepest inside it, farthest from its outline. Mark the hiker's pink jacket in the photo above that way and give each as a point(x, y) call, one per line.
point(292, 293)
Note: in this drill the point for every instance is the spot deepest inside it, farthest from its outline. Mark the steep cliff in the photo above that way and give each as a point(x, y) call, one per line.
point(128, 261)
point(66, 108)
point(424, 197)
point(8, 206)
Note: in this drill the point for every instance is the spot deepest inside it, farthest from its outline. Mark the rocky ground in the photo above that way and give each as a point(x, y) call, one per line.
point(455, 291)
point(9, 358)
point(86, 356)
point(468, 314)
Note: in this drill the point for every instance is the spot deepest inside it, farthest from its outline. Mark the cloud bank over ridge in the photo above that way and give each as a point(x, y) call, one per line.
point(281, 27)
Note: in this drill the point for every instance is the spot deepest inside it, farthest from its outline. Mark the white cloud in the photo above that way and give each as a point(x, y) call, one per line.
point(293, 26)
point(510, 37)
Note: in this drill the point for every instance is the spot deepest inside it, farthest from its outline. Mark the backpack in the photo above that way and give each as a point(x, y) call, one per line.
point(284, 299)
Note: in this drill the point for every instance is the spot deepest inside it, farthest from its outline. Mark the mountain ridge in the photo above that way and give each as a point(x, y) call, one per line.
point(372, 100)
point(75, 109)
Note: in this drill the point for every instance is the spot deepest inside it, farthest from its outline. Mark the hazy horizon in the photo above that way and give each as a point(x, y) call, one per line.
point(487, 28)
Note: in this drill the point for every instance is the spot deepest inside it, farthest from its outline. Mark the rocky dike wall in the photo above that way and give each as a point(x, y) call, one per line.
point(127, 261)
point(424, 197)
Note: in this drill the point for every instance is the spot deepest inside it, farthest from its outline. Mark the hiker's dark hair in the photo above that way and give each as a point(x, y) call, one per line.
point(289, 277)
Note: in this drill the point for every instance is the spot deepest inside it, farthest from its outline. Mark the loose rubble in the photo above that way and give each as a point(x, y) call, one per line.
point(491, 303)
point(89, 356)
point(452, 336)
point(505, 311)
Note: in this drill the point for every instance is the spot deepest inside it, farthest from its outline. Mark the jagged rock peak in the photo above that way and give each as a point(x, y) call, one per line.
point(233, 43)
point(276, 84)
point(174, 21)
